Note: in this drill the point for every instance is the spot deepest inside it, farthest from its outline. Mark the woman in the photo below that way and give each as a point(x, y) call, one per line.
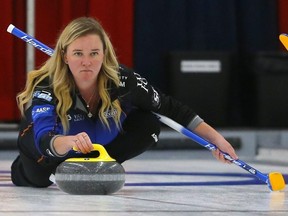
point(80, 96)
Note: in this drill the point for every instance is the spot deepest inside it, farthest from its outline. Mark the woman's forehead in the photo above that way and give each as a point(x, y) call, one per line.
point(91, 41)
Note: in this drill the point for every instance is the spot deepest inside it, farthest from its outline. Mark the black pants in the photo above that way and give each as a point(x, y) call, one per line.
point(140, 132)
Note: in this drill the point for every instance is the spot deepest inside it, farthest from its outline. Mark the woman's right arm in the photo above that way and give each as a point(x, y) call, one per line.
point(61, 145)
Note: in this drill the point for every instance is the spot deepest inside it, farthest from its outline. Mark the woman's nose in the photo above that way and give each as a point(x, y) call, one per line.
point(86, 61)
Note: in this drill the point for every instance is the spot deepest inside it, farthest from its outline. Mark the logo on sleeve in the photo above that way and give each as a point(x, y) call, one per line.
point(156, 98)
point(142, 82)
point(42, 111)
point(43, 95)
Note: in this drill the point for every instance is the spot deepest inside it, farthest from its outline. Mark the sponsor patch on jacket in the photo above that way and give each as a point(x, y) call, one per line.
point(42, 111)
point(76, 117)
point(43, 95)
point(110, 113)
point(123, 80)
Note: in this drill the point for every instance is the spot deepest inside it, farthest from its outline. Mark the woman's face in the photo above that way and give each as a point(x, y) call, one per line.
point(84, 57)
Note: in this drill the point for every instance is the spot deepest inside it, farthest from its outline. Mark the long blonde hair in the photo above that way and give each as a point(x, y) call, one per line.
point(62, 80)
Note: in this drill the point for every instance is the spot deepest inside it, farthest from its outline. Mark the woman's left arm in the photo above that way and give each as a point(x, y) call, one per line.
point(210, 134)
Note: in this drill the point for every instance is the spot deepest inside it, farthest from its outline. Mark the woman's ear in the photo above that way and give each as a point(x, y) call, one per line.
point(65, 59)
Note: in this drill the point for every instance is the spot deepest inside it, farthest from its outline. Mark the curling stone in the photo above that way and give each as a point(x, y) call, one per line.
point(97, 176)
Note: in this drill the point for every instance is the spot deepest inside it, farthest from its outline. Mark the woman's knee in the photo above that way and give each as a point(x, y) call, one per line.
point(24, 172)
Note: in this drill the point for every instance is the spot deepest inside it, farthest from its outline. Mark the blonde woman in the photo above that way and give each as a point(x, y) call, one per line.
point(80, 96)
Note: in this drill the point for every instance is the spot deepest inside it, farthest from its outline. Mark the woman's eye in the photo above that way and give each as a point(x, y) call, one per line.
point(94, 53)
point(78, 54)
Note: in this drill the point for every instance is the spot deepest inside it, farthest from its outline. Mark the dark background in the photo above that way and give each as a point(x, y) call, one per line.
point(153, 36)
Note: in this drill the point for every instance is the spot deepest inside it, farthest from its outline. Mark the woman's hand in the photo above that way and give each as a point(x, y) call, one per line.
point(81, 142)
point(226, 147)
point(211, 135)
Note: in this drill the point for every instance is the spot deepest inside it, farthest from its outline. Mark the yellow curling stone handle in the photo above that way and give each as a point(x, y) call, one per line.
point(103, 155)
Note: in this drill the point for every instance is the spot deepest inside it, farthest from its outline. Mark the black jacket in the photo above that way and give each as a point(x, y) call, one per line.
point(42, 123)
